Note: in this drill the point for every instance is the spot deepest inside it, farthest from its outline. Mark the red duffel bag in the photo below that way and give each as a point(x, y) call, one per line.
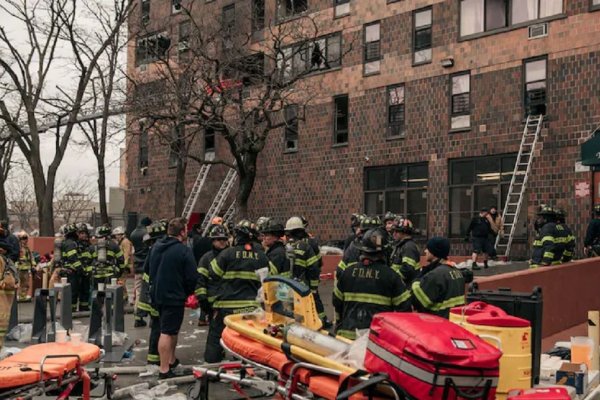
point(431, 357)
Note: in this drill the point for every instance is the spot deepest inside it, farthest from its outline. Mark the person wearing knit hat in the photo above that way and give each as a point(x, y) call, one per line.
point(441, 285)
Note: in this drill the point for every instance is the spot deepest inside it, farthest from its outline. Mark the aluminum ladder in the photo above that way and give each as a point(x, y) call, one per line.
point(518, 183)
point(219, 199)
point(230, 213)
point(195, 193)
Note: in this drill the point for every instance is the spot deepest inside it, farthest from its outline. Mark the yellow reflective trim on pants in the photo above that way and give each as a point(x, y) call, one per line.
point(235, 304)
point(215, 268)
point(153, 357)
point(548, 254)
point(556, 262)
point(247, 275)
point(401, 299)
point(368, 298)
point(314, 283)
point(533, 266)
point(146, 277)
point(420, 295)
point(300, 263)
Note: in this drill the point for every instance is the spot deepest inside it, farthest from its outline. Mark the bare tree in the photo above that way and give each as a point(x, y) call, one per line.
point(218, 79)
point(6, 151)
point(48, 24)
point(21, 202)
point(74, 201)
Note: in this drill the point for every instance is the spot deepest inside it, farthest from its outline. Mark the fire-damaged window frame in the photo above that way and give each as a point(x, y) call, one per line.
point(474, 177)
point(422, 52)
point(341, 135)
point(535, 88)
point(176, 6)
point(290, 133)
point(399, 188)
point(258, 15)
point(145, 12)
point(145, 55)
point(287, 9)
point(210, 140)
point(396, 111)
point(294, 60)
point(460, 102)
point(372, 48)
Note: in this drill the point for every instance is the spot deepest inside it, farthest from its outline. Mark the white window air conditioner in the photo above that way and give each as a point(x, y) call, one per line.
point(538, 31)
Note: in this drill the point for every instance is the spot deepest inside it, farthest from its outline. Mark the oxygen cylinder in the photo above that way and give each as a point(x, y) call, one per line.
point(57, 250)
point(101, 249)
point(313, 341)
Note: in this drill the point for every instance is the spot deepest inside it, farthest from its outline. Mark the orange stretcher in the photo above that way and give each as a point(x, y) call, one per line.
point(48, 368)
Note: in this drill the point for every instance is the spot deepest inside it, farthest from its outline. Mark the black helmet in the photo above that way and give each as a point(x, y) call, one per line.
point(370, 223)
point(104, 231)
point(244, 228)
point(372, 242)
point(82, 227)
point(355, 220)
point(156, 230)
point(274, 228)
point(70, 229)
point(262, 222)
point(389, 216)
point(403, 225)
point(218, 232)
point(546, 210)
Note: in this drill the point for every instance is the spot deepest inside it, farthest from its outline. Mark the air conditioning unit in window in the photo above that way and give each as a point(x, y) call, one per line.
point(538, 30)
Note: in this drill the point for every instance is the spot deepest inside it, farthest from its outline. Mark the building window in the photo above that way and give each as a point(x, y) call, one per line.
point(183, 46)
point(528, 10)
point(342, 7)
point(176, 6)
point(395, 111)
point(228, 18)
point(535, 86)
point(209, 140)
point(595, 4)
point(480, 182)
point(258, 15)
point(460, 88)
point(143, 146)
point(401, 189)
point(422, 36)
point(372, 53)
point(151, 48)
point(289, 8)
point(291, 127)
point(478, 16)
point(145, 12)
point(322, 54)
point(340, 128)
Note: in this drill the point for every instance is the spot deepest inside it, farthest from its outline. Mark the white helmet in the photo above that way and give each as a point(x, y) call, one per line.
point(294, 223)
point(118, 231)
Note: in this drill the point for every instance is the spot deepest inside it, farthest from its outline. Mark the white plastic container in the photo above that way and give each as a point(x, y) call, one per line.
point(61, 336)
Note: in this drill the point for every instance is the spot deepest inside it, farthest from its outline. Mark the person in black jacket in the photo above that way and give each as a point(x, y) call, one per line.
point(406, 254)
point(140, 252)
point(236, 272)
point(200, 244)
point(220, 241)
point(12, 240)
point(592, 235)
point(173, 278)
point(479, 232)
point(354, 227)
point(441, 285)
point(272, 232)
point(367, 288)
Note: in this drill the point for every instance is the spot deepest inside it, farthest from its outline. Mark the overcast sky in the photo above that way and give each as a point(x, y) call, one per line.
point(78, 162)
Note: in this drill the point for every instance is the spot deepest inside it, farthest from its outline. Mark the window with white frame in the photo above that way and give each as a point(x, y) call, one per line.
point(342, 7)
point(478, 16)
point(529, 10)
point(372, 52)
point(422, 36)
point(460, 102)
point(321, 54)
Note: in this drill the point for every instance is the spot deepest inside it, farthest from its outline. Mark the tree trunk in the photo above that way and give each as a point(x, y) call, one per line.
point(43, 201)
point(180, 186)
point(102, 191)
point(246, 184)
point(3, 202)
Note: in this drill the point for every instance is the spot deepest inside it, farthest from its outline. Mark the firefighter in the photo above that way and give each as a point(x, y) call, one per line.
point(235, 272)
point(140, 252)
point(26, 266)
point(352, 254)
point(156, 231)
point(13, 243)
point(8, 285)
point(568, 239)
point(305, 264)
point(70, 266)
point(406, 254)
point(126, 247)
point(367, 288)
point(441, 285)
point(545, 246)
point(354, 227)
point(85, 252)
point(114, 264)
point(592, 235)
point(262, 222)
point(272, 232)
point(220, 241)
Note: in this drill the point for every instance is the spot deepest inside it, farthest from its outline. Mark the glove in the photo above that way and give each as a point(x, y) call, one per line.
point(191, 302)
point(467, 275)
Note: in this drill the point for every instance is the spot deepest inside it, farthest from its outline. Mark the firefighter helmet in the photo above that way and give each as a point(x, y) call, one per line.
point(217, 221)
point(372, 242)
point(244, 228)
point(294, 223)
point(355, 220)
point(69, 229)
point(546, 210)
point(156, 230)
point(218, 232)
point(404, 225)
point(370, 223)
point(118, 231)
point(82, 227)
point(389, 216)
point(103, 231)
point(262, 222)
point(273, 228)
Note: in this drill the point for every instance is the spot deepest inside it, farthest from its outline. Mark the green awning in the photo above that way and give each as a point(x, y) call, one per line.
point(590, 151)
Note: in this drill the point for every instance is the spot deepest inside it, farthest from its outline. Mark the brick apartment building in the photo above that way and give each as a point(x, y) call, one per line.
point(424, 115)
